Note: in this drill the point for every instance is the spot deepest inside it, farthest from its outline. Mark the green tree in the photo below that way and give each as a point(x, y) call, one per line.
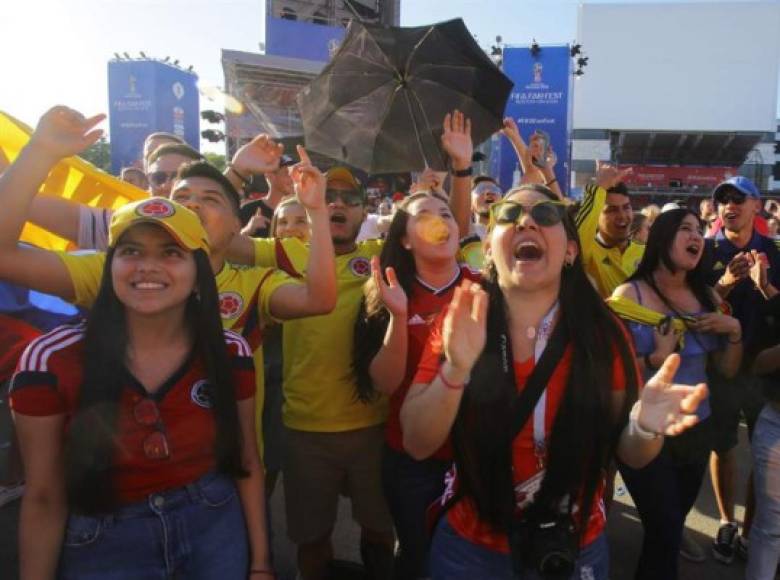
point(216, 159)
point(99, 154)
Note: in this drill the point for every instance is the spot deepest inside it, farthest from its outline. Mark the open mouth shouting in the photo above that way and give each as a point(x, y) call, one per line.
point(528, 251)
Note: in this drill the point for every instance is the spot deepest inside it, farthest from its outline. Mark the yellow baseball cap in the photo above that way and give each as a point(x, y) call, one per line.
point(346, 176)
point(181, 223)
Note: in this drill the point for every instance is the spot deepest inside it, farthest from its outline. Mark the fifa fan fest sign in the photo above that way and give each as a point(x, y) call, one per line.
point(146, 96)
point(540, 104)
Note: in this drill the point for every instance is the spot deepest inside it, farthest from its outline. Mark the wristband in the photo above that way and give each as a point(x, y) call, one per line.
point(738, 341)
point(262, 571)
point(634, 428)
point(553, 180)
point(463, 172)
point(243, 179)
point(449, 385)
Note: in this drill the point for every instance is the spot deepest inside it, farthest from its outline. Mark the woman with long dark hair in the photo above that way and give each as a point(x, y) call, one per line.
point(137, 427)
point(533, 378)
point(670, 308)
point(421, 271)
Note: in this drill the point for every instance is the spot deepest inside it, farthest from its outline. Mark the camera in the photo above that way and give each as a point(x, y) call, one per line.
point(547, 545)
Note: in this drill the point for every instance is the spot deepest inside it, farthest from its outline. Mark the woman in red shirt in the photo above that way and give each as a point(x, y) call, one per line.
point(137, 427)
point(541, 481)
point(419, 258)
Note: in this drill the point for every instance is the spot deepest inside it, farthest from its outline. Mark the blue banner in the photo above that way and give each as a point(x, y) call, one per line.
point(304, 40)
point(146, 96)
point(540, 104)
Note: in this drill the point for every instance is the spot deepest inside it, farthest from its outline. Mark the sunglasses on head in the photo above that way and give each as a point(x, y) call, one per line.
point(545, 213)
point(161, 177)
point(350, 198)
point(732, 196)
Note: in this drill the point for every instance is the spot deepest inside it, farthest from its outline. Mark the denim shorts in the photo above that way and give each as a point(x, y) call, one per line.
point(453, 557)
point(194, 532)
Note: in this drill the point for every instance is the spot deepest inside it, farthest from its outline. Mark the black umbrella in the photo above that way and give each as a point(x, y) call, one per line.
point(379, 104)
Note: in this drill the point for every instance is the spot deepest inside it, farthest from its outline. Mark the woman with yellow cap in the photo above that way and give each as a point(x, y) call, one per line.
point(137, 426)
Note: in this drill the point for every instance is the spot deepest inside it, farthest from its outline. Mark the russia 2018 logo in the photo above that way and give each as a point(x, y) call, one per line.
point(156, 208)
point(230, 305)
point(360, 267)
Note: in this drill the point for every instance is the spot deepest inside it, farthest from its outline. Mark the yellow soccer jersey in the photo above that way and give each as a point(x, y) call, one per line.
point(319, 383)
point(244, 297)
point(606, 267)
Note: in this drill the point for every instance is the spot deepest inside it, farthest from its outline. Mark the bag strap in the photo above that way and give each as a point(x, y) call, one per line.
point(526, 401)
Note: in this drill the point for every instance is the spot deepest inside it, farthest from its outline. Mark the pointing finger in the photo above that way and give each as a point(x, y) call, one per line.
point(304, 156)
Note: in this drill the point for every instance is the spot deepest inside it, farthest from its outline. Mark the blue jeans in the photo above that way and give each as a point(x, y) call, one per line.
point(411, 486)
point(764, 549)
point(455, 558)
point(194, 532)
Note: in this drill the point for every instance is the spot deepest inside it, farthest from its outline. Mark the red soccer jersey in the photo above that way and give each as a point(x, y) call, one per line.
point(425, 303)
point(48, 379)
point(463, 516)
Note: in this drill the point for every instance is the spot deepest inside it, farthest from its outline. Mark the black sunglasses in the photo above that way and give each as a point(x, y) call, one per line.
point(350, 198)
point(161, 177)
point(736, 197)
point(544, 213)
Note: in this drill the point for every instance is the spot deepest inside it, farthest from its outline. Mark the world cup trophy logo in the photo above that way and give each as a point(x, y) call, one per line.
point(538, 72)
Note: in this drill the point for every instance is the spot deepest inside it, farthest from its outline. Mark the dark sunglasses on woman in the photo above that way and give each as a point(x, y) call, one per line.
point(545, 213)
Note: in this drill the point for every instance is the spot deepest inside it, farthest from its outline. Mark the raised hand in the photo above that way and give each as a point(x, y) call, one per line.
point(391, 292)
point(608, 176)
point(666, 407)
point(63, 132)
point(260, 155)
point(759, 269)
point(456, 139)
point(738, 269)
point(309, 182)
point(464, 329)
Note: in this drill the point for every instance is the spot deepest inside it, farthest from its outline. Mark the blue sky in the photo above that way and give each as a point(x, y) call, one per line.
point(55, 51)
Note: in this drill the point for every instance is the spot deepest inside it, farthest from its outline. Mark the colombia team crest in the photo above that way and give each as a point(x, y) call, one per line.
point(230, 305)
point(360, 266)
point(200, 393)
point(157, 208)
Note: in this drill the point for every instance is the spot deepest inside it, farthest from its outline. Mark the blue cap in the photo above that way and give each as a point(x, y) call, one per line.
point(740, 183)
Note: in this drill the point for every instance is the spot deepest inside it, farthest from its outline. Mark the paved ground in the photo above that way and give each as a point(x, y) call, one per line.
point(624, 529)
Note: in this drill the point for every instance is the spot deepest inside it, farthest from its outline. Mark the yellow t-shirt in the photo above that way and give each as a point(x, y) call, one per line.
point(319, 382)
point(606, 267)
point(244, 297)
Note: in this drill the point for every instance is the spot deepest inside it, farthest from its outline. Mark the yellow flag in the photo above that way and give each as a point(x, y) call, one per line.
point(72, 178)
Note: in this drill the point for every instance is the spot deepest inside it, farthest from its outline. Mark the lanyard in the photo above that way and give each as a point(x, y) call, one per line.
point(542, 337)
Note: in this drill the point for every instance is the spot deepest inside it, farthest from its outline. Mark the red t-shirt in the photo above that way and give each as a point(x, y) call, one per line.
point(48, 379)
point(425, 303)
point(463, 516)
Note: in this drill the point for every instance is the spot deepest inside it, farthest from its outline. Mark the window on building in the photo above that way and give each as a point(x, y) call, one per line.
point(288, 14)
point(776, 171)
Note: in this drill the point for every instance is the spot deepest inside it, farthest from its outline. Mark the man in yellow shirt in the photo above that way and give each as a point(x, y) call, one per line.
point(604, 222)
point(248, 296)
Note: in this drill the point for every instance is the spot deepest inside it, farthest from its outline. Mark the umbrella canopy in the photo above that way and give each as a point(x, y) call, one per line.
point(380, 103)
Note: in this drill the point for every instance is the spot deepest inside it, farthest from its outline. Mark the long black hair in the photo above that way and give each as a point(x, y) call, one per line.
point(658, 252)
point(585, 432)
point(90, 443)
point(373, 317)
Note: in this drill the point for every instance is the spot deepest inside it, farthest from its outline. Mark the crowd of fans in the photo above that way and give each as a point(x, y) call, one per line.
point(469, 366)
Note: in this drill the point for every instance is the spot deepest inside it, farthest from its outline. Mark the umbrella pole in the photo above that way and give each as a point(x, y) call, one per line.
point(416, 129)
